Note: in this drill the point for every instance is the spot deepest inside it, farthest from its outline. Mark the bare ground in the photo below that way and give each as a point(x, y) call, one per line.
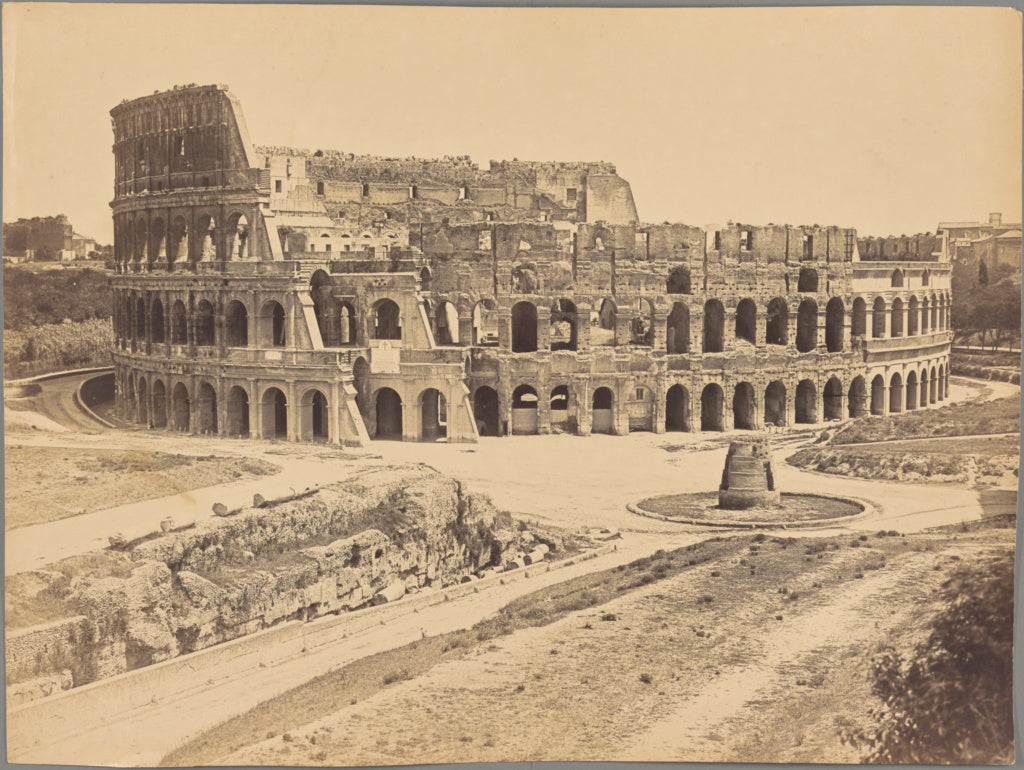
point(43, 484)
point(712, 664)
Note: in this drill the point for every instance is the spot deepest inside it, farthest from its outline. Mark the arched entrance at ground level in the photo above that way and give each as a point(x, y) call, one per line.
point(602, 419)
point(238, 412)
point(485, 410)
point(143, 402)
point(275, 414)
point(911, 391)
point(677, 409)
point(524, 327)
point(832, 400)
point(206, 400)
point(933, 388)
point(559, 405)
point(640, 409)
point(433, 415)
point(524, 411)
point(857, 398)
point(159, 405)
point(743, 407)
point(878, 395)
point(806, 402)
point(896, 393)
point(712, 402)
point(181, 407)
point(775, 404)
point(314, 417)
point(389, 414)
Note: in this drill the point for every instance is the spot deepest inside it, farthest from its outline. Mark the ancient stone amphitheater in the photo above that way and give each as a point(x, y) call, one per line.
point(326, 296)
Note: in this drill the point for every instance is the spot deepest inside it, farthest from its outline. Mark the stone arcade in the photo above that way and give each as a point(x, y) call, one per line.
point(326, 296)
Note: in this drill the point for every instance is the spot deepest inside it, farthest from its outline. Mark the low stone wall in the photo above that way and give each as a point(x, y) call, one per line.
point(984, 373)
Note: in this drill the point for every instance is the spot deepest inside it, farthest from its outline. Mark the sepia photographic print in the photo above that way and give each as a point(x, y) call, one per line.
point(404, 385)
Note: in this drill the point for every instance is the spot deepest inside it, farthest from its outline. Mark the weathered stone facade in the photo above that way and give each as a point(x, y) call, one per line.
point(275, 292)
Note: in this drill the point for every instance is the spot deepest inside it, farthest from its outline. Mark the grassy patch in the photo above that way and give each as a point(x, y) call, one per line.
point(1001, 415)
point(704, 505)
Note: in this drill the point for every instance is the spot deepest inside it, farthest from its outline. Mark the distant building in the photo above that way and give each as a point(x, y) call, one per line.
point(41, 239)
point(993, 243)
point(83, 245)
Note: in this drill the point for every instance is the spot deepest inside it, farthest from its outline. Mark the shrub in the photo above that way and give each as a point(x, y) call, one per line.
point(646, 678)
point(951, 701)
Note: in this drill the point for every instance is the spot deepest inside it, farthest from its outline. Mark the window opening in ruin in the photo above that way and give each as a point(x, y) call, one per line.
point(776, 322)
point(746, 321)
point(603, 323)
point(743, 409)
point(677, 409)
point(563, 327)
point(433, 415)
point(806, 402)
point(206, 181)
point(414, 191)
point(463, 192)
point(366, 190)
point(156, 321)
point(679, 281)
point(807, 326)
point(832, 400)
point(446, 321)
point(425, 279)
point(897, 279)
point(714, 327)
point(808, 280)
point(238, 412)
point(140, 320)
point(924, 278)
point(745, 240)
point(524, 327)
point(347, 324)
point(641, 326)
point(896, 393)
point(277, 185)
point(560, 398)
point(718, 240)
point(570, 195)
point(236, 326)
point(319, 188)
point(387, 321)
point(808, 244)
point(712, 402)
point(485, 410)
point(179, 324)
point(896, 318)
point(485, 323)
point(775, 404)
point(835, 319)
point(677, 329)
point(204, 323)
point(389, 415)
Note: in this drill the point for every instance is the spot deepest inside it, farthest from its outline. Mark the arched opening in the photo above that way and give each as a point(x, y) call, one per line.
point(933, 390)
point(925, 316)
point(387, 322)
point(178, 251)
point(524, 410)
point(860, 318)
point(807, 281)
point(603, 327)
point(238, 412)
point(236, 325)
point(640, 409)
point(641, 326)
point(204, 323)
point(524, 327)
point(130, 402)
point(179, 324)
point(857, 398)
point(714, 326)
point(912, 317)
point(896, 393)
point(896, 318)
point(775, 404)
point(677, 329)
point(678, 281)
point(743, 409)
point(677, 409)
point(181, 407)
point(942, 384)
point(346, 324)
point(156, 321)
point(158, 241)
point(835, 319)
point(897, 279)
point(485, 323)
point(923, 399)
point(807, 326)
point(389, 414)
point(425, 279)
point(602, 417)
point(141, 242)
point(712, 403)
point(878, 315)
point(140, 320)
point(911, 391)
point(270, 330)
point(315, 419)
point(559, 405)
point(777, 322)
point(206, 233)
point(485, 410)
point(361, 382)
point(806, 402)
point(924, 278)
point(832, 400)
point(206, 401)
point(446, 324)
point(321, 291)
point(564, 321)
point(275, 414)
point(878, 395)
point(433, 415)
point(746, 321)
point(935, 314)
point(159, 405)
point(238, 230)
point(143, 410)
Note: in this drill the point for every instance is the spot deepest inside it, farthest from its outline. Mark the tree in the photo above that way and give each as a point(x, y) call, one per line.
point(951, 702)
point(982, 273)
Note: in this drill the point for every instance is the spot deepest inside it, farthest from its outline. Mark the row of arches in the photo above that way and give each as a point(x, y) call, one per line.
point(920, 316)
point(137, 321)
point(141, 242)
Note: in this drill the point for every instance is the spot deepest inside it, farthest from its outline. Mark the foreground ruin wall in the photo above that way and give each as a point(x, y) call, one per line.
point(367, 542)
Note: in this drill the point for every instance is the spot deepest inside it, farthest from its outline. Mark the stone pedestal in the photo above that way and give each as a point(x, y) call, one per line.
point(747, 481)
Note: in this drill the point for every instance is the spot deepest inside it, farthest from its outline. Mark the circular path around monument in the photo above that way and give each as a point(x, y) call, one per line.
point(795, 510)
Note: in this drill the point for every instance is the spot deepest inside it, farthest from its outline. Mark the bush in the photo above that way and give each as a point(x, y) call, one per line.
point(951, 702)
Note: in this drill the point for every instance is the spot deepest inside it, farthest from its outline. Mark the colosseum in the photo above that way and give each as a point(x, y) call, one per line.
point(279, 293)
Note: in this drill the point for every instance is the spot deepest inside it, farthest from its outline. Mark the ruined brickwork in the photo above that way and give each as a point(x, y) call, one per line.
point(39, 238)
point(323, 295)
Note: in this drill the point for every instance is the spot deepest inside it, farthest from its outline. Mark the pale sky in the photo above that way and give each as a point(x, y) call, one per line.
point(884, 119)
